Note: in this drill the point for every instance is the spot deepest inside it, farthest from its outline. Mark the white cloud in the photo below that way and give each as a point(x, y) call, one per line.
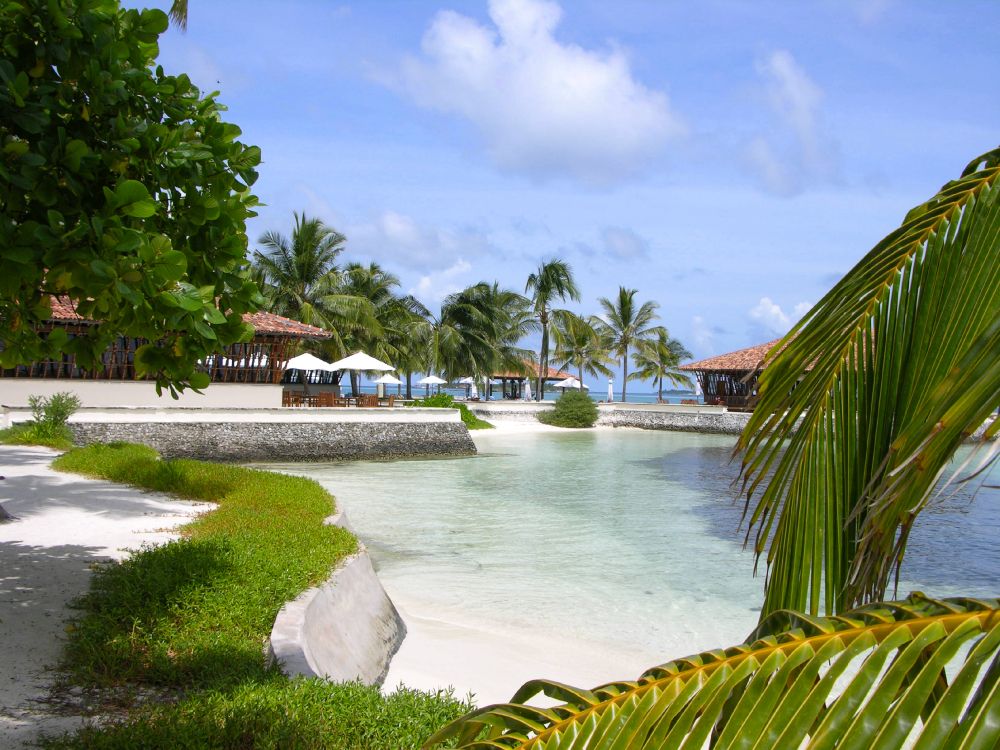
point(796, 152)
point(704, 339)
point(871, 11)
point(398, 238)
point(434, 287)
point(768, 317)
point(543, 107)
point(624, 244)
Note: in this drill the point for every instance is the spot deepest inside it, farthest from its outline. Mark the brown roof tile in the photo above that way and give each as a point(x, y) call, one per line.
point(743, 360)
point(264, 323)
point(535, 368)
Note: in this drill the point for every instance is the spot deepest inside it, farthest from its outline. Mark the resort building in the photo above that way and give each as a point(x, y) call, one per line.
point(247, 374)
point(731, 379)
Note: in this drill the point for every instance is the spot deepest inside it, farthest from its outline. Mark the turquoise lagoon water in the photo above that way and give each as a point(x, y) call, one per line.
point(607, 536)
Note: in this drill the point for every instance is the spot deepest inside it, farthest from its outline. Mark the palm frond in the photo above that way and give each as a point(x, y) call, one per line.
point(871, 678)
point(865, 400)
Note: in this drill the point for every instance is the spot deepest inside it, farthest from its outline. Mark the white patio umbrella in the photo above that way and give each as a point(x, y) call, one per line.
point(471, 391)
point(527, 389)
point(385, 380)
point(611, 390)
point(308, 361)
point(361, 361)
point(570, 382)
point(430, 380)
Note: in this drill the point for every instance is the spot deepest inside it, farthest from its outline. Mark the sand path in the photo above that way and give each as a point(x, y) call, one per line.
point(62, 525)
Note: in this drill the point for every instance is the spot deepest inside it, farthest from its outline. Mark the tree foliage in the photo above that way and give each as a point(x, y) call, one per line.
point(871, 678)
point(121, 189)
point(865, 401)
point(553, 280)
point(626, 323)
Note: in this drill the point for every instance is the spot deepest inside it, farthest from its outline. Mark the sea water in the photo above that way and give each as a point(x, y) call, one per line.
point(607, 537)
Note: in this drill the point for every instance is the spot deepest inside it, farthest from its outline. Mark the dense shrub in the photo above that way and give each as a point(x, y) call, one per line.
point(446, 401)
point(573, 409)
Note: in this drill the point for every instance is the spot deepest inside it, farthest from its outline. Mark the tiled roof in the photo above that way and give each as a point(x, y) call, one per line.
point(743, 360)
point(265, 323)
point(551, 373)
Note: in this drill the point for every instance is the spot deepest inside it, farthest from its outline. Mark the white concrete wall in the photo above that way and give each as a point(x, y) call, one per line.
point(187, 415)
point(15, 392)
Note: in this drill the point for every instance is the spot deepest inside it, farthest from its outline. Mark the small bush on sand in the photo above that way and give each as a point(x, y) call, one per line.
point(573, 409)
point(446, 401)
point(48, 425)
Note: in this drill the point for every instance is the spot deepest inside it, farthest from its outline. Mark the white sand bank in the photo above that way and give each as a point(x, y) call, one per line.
point(63, 524)
point(440, 651)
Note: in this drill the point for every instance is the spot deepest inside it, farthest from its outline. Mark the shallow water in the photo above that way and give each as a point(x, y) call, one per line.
point(608, 536)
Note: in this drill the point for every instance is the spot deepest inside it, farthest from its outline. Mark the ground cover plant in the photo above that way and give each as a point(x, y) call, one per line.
point(188, 620)
point(572, 409)
point(446, 401)
point(48, 424)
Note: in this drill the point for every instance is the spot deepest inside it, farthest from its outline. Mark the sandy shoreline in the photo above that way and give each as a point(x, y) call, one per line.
point(63, 525)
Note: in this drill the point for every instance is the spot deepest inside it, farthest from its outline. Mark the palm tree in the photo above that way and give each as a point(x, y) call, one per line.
point(626, 324)
point(299, 272)
point(552, 280)
point(862, 405)
point(657, 360)
point(580, 345)
point(179, 13)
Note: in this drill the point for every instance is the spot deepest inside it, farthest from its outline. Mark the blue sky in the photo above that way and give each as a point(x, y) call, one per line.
point(730, 160)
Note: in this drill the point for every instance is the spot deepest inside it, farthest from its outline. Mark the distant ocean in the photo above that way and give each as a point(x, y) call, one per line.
point(634, 397)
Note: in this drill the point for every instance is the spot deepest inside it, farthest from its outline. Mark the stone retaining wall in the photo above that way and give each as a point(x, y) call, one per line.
point(720, 422)
point(345, 629)
point(285, 441)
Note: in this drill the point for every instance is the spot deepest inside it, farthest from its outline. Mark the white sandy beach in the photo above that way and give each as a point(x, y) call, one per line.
point(63, 525)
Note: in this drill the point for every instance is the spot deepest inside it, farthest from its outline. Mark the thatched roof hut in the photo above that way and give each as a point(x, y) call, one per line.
point(731, 379)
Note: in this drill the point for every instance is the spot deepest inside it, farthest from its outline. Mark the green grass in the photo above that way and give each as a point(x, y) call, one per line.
point(191, 618)
point(32, 433)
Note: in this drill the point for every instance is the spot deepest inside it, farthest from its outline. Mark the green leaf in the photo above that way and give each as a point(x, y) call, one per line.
point(816, 682)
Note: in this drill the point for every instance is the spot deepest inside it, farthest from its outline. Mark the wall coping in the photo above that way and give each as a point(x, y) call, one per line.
point(197, 414)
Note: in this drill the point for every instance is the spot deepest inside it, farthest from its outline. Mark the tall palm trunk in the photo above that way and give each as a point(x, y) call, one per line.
point(543, 367)
point(659, 390)
point(409, 385)
point(624, 374)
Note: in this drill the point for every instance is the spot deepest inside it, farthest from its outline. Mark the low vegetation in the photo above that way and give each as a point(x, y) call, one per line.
point(572, 409)
point(188, 620)
point(446, 401)
point(48, 422)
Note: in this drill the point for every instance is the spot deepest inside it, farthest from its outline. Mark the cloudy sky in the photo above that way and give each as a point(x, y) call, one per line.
point(730, 160)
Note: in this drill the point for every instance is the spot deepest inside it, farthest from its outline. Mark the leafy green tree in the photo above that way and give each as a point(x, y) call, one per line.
point(122, 189)
point(865, 401)
point(579, 344)
point(626, 324)
point(657, 359)
point(553, 280)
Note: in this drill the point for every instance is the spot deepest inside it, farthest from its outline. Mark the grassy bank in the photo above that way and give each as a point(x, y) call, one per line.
point(30, 433)
point(189, 620)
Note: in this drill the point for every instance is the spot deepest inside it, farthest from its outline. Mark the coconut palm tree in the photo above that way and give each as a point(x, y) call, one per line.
point(626, 324)
point(657, 359)
point(863, 403)
point(580, 345)
point(300, 271)
point(861, 407)
point(553, 280)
